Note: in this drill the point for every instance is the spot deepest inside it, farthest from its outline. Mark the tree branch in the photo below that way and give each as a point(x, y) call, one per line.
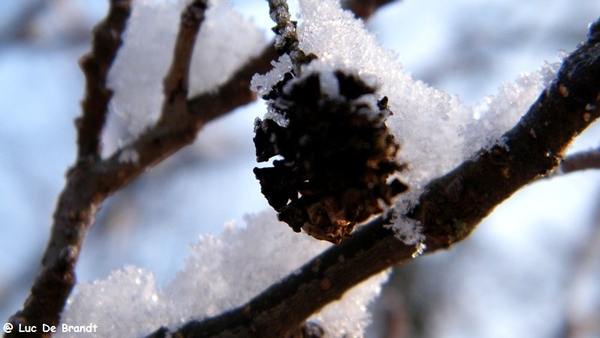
point(287, 39)
point(582, 160)
point(364, 9)
point(76, 208)
point(235, 92)
point(95, 65)
point(177, 80)
point(449, 209)
point(92, 179)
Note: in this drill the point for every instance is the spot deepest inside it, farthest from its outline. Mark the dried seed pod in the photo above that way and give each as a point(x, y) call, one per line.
point(336, 154)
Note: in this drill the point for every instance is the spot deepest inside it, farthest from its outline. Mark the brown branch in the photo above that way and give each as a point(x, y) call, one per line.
point(286, 41)
point(364, 9)
point(580, 161)
point(286, 305)
point(177, 80)
point(449, 209)
point(95, 66)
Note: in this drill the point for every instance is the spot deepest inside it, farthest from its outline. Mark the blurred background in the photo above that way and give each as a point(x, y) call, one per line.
point(532, 269)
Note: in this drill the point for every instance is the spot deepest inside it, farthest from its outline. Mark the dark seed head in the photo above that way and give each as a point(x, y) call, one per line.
point(337, 155)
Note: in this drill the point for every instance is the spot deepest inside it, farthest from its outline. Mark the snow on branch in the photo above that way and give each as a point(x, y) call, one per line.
point(89, 182)
point(93, 179)
point(449, 208)
point(488, 168)
point(226, 42)
point(270, 290)
point(328, 124)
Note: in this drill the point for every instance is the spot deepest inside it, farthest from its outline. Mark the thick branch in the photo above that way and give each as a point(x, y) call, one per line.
point(95, 65)
point(449, 209)
point(454, 204)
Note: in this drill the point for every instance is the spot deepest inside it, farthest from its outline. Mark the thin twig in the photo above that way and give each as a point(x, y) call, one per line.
point(448, 210)
point(177, 80)
point(580, 161)
point(286, 41)
point(95, 65)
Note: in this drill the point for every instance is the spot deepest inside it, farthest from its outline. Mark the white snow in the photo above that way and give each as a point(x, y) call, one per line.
point(263, 83)
point(225, 40)
point(129, 155)
point(117, 305)
point(223, 272)
point(436, 130)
